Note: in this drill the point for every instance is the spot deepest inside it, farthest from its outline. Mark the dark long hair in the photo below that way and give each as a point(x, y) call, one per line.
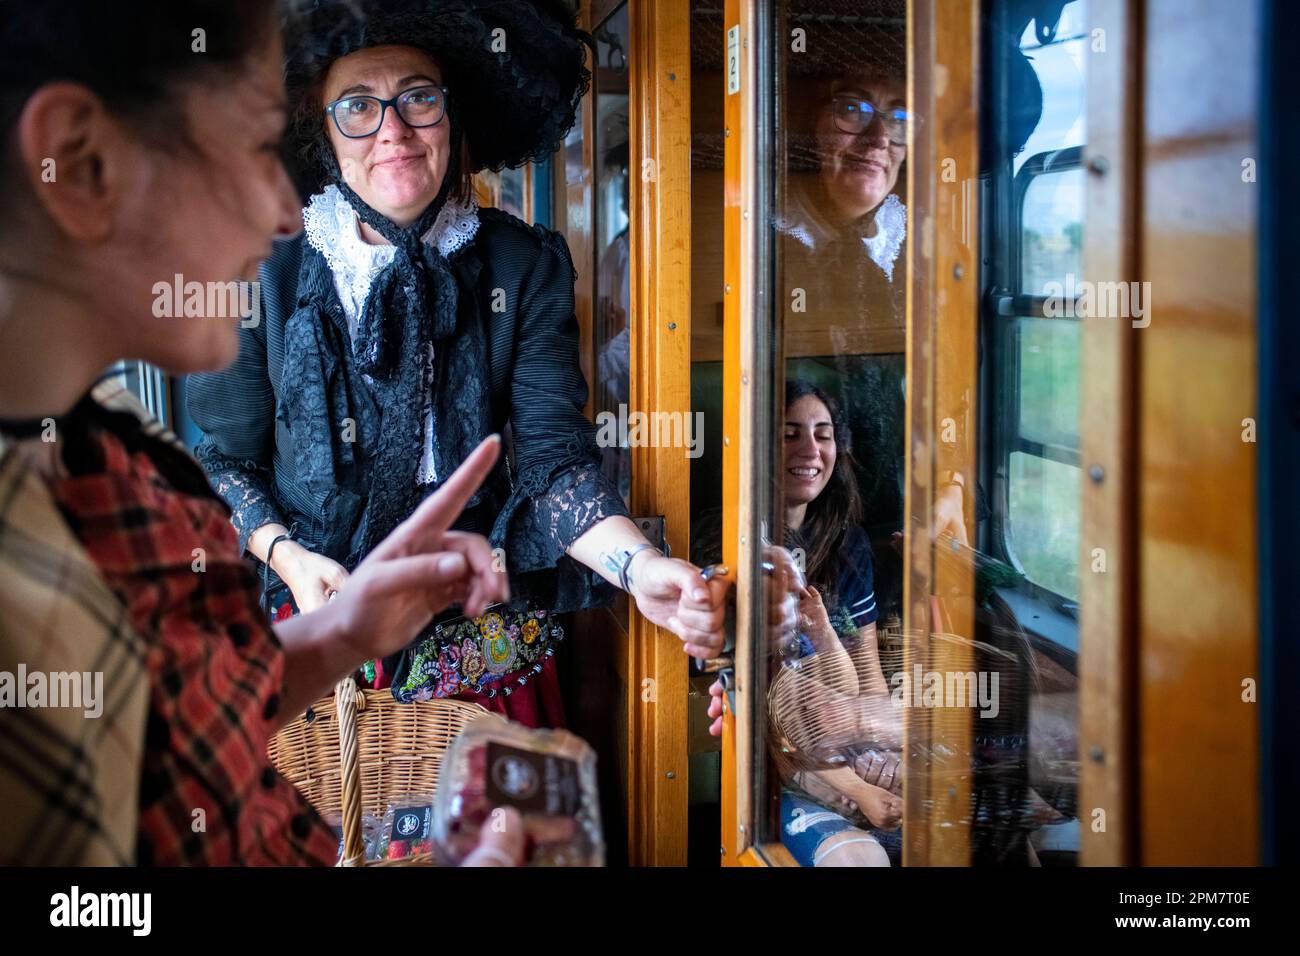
point(838, 508)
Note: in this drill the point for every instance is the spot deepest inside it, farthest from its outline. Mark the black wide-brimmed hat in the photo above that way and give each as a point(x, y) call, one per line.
point(515, 69)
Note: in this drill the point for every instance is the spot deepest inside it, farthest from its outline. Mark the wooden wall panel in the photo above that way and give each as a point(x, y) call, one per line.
point(1198, 610)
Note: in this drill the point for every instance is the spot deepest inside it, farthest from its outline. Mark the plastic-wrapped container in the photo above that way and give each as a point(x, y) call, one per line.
point(549, 776)
point(407, 828)
point(369, 832)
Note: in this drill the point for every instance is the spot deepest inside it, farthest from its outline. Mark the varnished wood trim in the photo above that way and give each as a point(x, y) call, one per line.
point(767, 854)
point(1198, 603)
point(1107, 433)
point(942, 332)
point(738, 430)
point(659, 127)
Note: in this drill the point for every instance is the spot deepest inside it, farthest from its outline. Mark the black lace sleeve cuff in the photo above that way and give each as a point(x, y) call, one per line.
point(551, 507)
point(577, 500)
point(244, 485)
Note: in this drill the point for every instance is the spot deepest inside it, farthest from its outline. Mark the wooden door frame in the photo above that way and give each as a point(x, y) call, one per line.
point(941, 369)
point(942, 294)
point(647, 662)
point(659, 129)
point(740, 413)
point(1108, 450)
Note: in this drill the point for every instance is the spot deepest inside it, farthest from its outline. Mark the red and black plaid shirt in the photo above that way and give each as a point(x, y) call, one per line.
point(165, 545)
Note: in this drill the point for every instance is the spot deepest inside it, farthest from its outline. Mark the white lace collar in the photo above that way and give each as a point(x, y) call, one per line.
point(883, 247)
point(333, 230)
point(891, 230)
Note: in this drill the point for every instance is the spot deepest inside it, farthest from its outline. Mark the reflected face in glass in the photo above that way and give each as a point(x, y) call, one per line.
point(858, 170)
point(810, 453)
point(399, 170)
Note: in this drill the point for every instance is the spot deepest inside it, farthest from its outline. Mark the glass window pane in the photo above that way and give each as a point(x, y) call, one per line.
point(1045, 522)
point(842, 710)
point(1058, 63)
point(513, 187)
point(1051, 236)
point(613, 301)
point(1049, 384)
point(830, 794)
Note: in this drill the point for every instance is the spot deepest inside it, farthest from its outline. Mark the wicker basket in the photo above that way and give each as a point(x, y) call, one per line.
point(353, 751)
point(996, 776)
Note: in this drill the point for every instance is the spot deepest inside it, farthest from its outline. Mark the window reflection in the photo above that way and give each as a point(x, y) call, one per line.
point(835, 735)
point(836, 738)
point(997, 704)
point(1051, 238)
point(613, 272)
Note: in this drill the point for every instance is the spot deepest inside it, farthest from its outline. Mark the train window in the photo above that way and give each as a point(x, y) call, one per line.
point(611, 325)
point(150, 385)
point(967, 688)
point(1036, 360)
point(840, 124)
point(1051, 229)
point(1034, 128)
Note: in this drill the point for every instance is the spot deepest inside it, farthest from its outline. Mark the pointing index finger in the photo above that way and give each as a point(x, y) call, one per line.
point(449, 501)
point(440, 510)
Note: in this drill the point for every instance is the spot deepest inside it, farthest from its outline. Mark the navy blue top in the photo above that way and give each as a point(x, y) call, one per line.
point(853, 606)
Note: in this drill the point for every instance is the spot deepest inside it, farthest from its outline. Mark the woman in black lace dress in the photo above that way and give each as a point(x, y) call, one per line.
point(407, 324)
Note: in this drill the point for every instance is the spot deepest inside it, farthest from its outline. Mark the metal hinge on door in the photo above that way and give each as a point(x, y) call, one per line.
point(652, 526)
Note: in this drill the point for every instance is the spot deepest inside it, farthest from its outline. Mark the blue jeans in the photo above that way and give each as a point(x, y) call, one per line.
point(805, 824)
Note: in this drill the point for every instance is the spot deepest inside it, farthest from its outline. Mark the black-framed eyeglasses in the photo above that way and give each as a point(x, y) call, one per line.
point(854, 115)
point(360, 116)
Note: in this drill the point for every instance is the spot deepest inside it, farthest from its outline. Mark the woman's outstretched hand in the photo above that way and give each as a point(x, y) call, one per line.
point(311, 577)
point(671, 594)
point(421, 568)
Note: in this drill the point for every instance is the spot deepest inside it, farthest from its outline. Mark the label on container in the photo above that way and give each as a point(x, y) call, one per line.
point(411, 823)
point(532, 782)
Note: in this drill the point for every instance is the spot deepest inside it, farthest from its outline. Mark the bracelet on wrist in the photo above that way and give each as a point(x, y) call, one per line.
point(947, 478)
point(624, 574)
point(274, 541)
point(266, 568)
